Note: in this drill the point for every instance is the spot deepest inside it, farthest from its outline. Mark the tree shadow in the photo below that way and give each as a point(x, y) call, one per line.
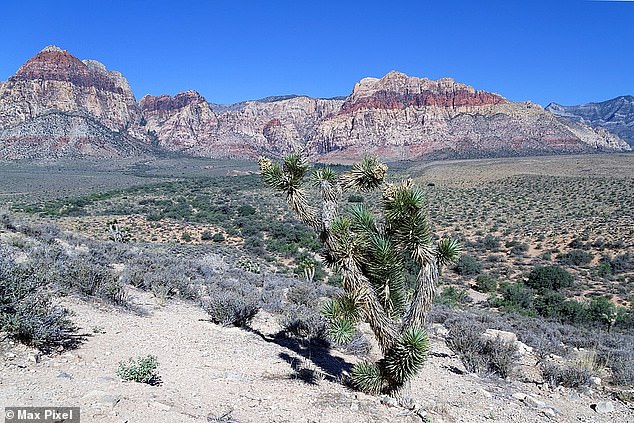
point(315, 351)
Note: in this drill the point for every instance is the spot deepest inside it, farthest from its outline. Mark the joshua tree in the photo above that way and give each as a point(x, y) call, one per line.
point(117, 233)
point(370, 253)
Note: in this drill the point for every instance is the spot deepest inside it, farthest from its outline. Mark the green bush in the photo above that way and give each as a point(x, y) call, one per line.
point(468, 266)
point(141, 369)
point(575, 258)
point(549, 277)
point(486, 283)
point(515, 297)
point(451, 296)
point(491, 242)
point(246, 210)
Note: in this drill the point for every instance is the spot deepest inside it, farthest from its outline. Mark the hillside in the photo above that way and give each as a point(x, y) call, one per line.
point(615, 115)
point(395, 117)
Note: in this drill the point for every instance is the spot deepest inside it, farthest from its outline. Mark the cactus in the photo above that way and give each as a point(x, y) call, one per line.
point(369, 252)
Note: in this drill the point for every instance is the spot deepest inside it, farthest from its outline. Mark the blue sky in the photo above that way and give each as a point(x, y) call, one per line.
point(568, 51)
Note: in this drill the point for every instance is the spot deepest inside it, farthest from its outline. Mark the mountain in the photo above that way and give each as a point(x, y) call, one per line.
point(57, 105)
point(399, 116)
point(616, 115)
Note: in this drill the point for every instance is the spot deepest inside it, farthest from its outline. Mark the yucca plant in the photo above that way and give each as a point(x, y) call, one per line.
point(370, 252)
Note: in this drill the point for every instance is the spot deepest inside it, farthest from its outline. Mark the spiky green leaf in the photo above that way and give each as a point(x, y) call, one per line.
point(366, 175)
point(362, 219)
point(448, 251)
point(341, 330)
point(367, 377)
point(407, 356)
point(384, 267)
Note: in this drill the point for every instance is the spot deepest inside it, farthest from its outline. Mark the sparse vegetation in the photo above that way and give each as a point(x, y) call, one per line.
point(558, 276)
point(141, 369)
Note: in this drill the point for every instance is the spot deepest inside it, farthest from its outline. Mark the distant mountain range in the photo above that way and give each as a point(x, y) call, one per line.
point(616, 115)
point(59, 106)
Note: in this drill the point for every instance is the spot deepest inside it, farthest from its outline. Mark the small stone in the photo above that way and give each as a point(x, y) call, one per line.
point(535, 402)
point(354, 406)
point(161, 406)
point(603, 407)
point(439, 330)
point(508, 337)
point(549, 412)
point(102, 399)
point(519, 396)
point(522, 348)
point(595, 380)
point(485, 393)
point(34, 358)
point(389, 401)
point(64, 375)
point(10, 356)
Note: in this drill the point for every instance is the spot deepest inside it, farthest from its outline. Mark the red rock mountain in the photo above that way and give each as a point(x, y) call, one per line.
point(57, 105)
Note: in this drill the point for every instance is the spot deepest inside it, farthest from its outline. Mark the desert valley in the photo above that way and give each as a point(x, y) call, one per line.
point(414, 250)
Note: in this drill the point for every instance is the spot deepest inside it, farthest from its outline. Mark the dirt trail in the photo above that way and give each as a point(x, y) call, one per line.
point(209, 371)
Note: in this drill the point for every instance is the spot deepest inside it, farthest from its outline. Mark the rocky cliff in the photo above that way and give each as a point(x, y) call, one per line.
point(615, 116)
point(401, 117)
point(59, 104)
point(91, 103)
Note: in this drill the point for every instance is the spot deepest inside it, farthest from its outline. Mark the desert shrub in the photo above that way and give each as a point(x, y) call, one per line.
point(7, 222)
point(621, 364)
point(218, 237)
point(158, 272)
point(228, 308)
point(515, 297)
point(491, 242)
point(140, 369)
point(620, 263)
point(27, 313)
point(335, 280)
point(206, 235)
point(358, 345)
point(302, 294)
point(93, 280)
point(479, 354)
point(305, 324)
point(549, 277)
point(246, 210)
point(565, 375)
point(519, 249)
point(486, 283)
point(575, 258)
point(468, 266)
point(451, 296)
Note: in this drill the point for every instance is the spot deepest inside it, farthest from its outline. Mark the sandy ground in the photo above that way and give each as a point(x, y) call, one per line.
point(208, 372)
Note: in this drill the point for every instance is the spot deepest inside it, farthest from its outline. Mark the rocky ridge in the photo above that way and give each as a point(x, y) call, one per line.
point(615, 115)
point(396, 117)
point(37, 103)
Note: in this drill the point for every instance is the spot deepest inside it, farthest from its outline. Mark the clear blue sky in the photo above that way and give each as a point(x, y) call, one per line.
point(569, 51)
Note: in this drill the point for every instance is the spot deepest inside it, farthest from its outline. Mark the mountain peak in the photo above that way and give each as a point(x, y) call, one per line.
point(396, 90)
point(51, 49)
point(54, 64)
point(166, 102)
